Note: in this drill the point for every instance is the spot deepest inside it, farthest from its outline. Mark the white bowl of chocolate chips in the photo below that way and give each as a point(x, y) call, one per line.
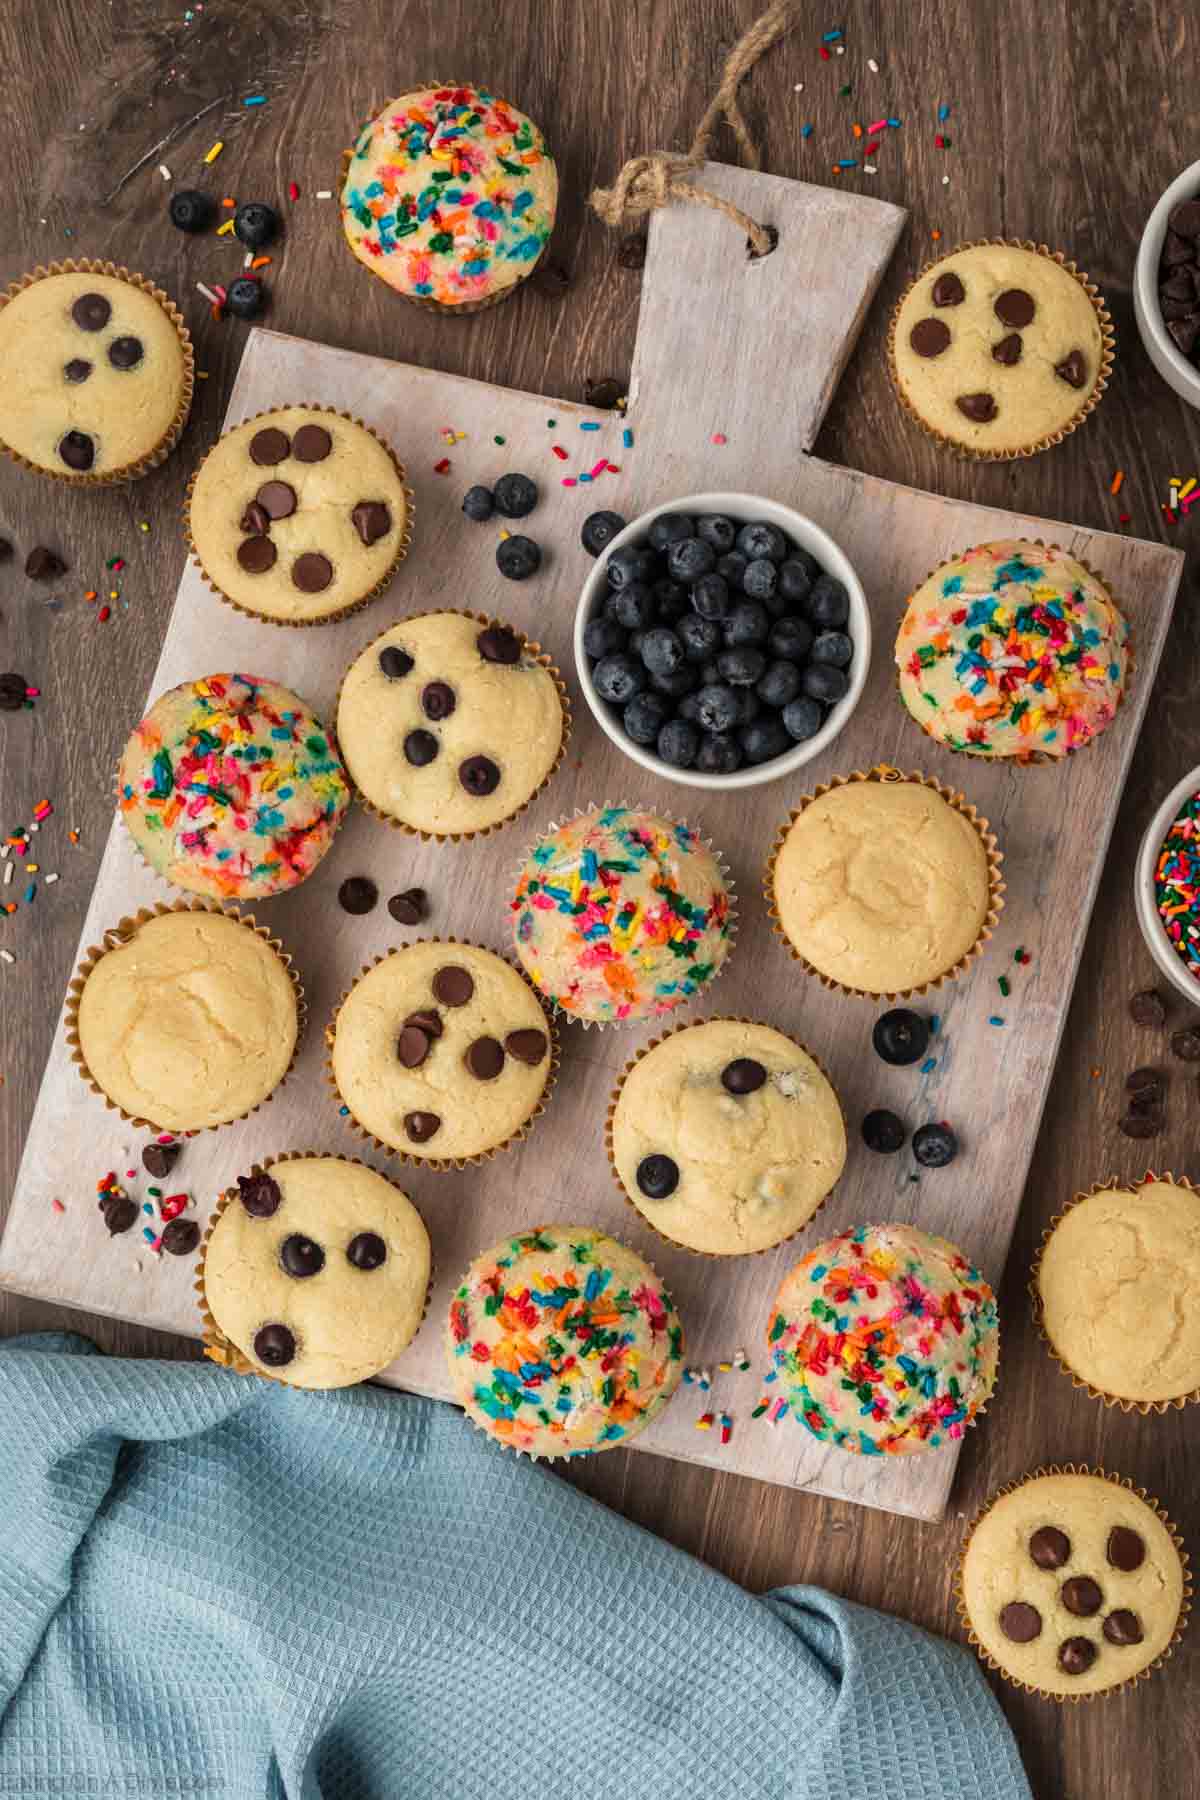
point(1166, 286)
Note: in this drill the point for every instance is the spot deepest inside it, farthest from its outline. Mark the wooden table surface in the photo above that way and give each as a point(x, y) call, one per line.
point(1067, 121)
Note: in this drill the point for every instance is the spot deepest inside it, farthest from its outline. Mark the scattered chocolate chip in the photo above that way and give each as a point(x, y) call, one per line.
point(1148, 1103)
point(1049, 1547)
point(1008, 350)
point(1073, 370)
point(1185, 219)
point(1141, 1124)
point(631, 251)
point(12, 691)
point(260, 1194)
point(426, 1020)
point(125, 352)
point(1186, 1044)
point(929, 337)
point(269, 446)
point(91, 312)
point(479, 775)
point(119, 1213)
point(312, 572)
point(550, 278)
point(421, 1126)
point(979, 408)
point(256, 554)
point(948, 290)
point(1146, 1081)
point(77, 450)
point(372, 520)
point(602, 394)
point(1147, 1009)
point(159, 1159)
point(1126, 1549)
point(1076, 1655)
point(497, 644)
point(1020, 1621)
point(180, 1237)
point(410, 907)
point(357, 894)
point(44, 565)
point(485, 1058)
point(1014, 307)
point(1176, 250)
point(1123, 1627)
point(527, 1046)
point(394, 662)
point(658, 1176)
point(301, 1256)
point(453, 985)
point(420, 748)
point(1185, 332)
point(312, 443)
point(743, 1075)
point(1081, 1596)
point(256, 519)
point(78, 369)
point(366, 1251)
point(438, 700)
point(413, 1045)
point(277, 499)
point(274, 1345)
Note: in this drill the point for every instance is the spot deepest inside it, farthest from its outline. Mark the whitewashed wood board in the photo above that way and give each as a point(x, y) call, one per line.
point(712, 328)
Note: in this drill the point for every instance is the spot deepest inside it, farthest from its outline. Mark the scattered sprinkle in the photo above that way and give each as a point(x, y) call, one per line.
point(208, 293)
point(589, 425)
point(929, 1065)
point(164, 171)
point(726, 1428)
point(806, 131)
point(293, 191)
point(1004, 985)
point(995, 1019)
point(943, 114)
point(225, 229)
point(442, 467)
point(57, 1206)
point(255, 100)
point(559, 452)
point(216, 150)
point(627, 438)
point(7, 956)
point(499, 440)
point(323, 194)
point(872, 65)
point(704, 1422)
point(844, 91)
point(718, 437)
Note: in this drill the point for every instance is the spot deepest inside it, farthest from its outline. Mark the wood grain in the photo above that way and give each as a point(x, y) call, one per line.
point(1069, 120)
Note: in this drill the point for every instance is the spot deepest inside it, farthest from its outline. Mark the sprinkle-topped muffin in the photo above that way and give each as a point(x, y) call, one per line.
point(449, 196)
point(231, 787)
point(1013, 649)
point(621, 915)
point(562, 1341)
point(884, 1341)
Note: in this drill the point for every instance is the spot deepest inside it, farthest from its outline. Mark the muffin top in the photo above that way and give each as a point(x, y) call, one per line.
point(997, 347)
point(448, 725)
point(884, 1341)
point(92, 374)
point(881, 886)
point(1119, 1287)
point(317, 1270)
point(1072, 1583)
point(561, 1340)
point(449, 195)
point(621, 915)
point(1012, 649)
point(441, 1050)
point(727, 1137)
point(298, 513)
point(189, 1022)
point(232, 787)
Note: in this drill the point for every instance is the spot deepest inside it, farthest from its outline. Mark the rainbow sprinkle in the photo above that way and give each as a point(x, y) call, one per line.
point(1177, 885)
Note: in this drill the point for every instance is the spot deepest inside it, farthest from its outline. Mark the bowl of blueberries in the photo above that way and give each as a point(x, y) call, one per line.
point(721, 640)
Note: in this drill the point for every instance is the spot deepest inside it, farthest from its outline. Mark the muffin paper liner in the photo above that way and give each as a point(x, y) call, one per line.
point(221, 1349)
point(159, 454)
point(1107, 346)
point(1035, 758)
point(121, 933)
point(996, 886)
point(1145, 1407)
point(440, 1163)
point(539, 655)
point(695, 1025)
point(725, 872)
point(1103, 1474)
point(352, 606)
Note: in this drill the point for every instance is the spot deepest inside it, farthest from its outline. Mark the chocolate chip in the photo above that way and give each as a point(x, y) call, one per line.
point(550, 278)
point(948, 290)
point(412, 1046)
point(426, 1020)
point(6, 550)
point(438, 700)
point(12, 691)
point(1072, 369)
point(78, 369)
point(77, 451)
point(1147, 1008)
point(91, 312)
point(1185, 332)
point(1014, 307)
point(929, 337)
point(421, 1126)
point(485, 1058)
point(1123, 1627)
point(43, 565)
point(277, 499)
point(453, 985)
point(269, 446)
point(372, 520)
point(1146, 1081)
point(274, 1345)
point(1081, 1596)
point(1076, 1655)
point(312, 572)
point(180, 1237)
point(1185, 219)
point(1126, 1549)
point(979, 408)
point(1186, 1044)
point(1141, 1124)
point(159, 1159)
point(1177, 250)
point(420, 747)
point(658, 1176)
point(631, 251)
point(312, 443)
point(301, 1256)
point(410, 907)
point(497, 644)
point(366, 1251)
point(743, 1075)
point(1020, 1621)
point(394, 662)
point(125, 352)
point(602, 394)
point(357, 894)
point(261, 1195)
point(256, 555)
point(256, 519)
point(479, 775)
point(1007, 350)
point(1174, 309)
point(1179, 286)
point(527, 1046)
point(119, 1213)
point(1049, 1547)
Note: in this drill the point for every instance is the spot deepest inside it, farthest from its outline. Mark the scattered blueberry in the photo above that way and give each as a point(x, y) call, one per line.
point(934, 1146)
point(791, 638)
point(598, 531)
point(718, 709)
point(900, 1036)
point(764, 738)
point(743, 666)
point(630, 563)
point(828, 603)
point(760, 539)
point(662, 651)
point(883, 1131)
point(645, 717)
point(255, 224)
point(618, 678)
point(760, 579)
point(718, 531)
point(678, 742)
point(477, 504)
point(779, 685)
point(244, 297)
point(821, 681)
point(670, 528)
point(191, 210)
point(634, 607)
point(701, 638)
point(518, 557)
point(803, 719)
point(832, 647)
point(657, 1176)
point(710, 596)
point(671, 599)
point(718, 755)
point(514, 496)
point(689, 558)
point(602, 637)
point(747, 624)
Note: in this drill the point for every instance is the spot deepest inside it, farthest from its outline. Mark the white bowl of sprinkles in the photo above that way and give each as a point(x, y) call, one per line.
point(1154, 910)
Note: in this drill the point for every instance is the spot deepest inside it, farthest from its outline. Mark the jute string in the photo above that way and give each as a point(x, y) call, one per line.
point(647, 182)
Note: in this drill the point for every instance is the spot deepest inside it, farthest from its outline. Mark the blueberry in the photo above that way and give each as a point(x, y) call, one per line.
point(718, 531)
point(701, 638)
point(690, 558)
point(618, 678)
point(710, 675)
point(244, 298)
point(645, 717)
point(477, 504)
point(934, 1146)
point(900, 1036)
point(518, 557)
point(670, 528)
point(718, 708)
point(718, 755)
point(883, 1131)
point(821, 681)
point(602, 637)
point(832, 647)
point(634, 646)
point(779, 685)
point(828, 603)
point(763, 738)
point(631, 563)
point(761, 579)
point(192, 211)
point(747, 624)
point(791, 638)
point(678, 742)
point(679, 682)
point(255, 224)
point(515, 495)
point(610, 604)
point(671, 599)
point(662, 651)
point(741, 667)
point(689, 707)
point(803, 719)
point(598, 531)
point(634, 608)
point(732, 567)
point(795, 580)
point(749, 705)
point(761, 539)
point(710, 597)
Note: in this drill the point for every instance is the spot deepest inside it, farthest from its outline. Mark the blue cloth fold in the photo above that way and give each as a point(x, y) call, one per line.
point(218, 1587)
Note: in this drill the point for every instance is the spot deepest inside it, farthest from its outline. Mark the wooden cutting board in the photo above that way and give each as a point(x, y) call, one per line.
point(748, 352)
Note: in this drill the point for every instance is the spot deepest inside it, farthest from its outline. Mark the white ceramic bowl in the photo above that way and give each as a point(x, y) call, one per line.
point(1161, 348)
point(1157, 941)
point(743, 508)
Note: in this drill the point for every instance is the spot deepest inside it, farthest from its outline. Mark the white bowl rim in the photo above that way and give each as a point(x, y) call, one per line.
point(1157, 942)
point(1186, 185)
point(812, 537)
